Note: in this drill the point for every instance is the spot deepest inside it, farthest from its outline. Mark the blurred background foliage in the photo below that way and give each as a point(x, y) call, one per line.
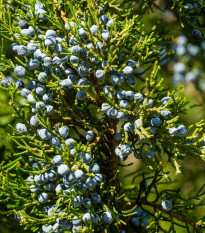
point(168, 25)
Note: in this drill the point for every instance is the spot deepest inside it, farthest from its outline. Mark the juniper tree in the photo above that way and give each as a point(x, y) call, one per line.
point(92, 97)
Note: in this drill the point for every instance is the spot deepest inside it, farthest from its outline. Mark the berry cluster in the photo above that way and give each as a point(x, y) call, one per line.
point(184, 68)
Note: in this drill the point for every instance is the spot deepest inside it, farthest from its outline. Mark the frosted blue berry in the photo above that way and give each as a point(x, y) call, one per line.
point(13, 47)
point(33, 188)
point(179, 67)
point(47, 228)
point(94, 29)
point(79, 175)
point(58, 48)
point(20, 84)
point(67, 83)
point(48, 62)
point(104, 64)
point(62, 170)
point(121, 77)
point(73, 40)
point(148, 103)
point(20, 71)
point(32, 64)
point(107, 218)
point(54, 141)
point(50, 186)
point(173, 131)
point(181, 131)
point(6, 82)
point(40, 106)
point(69, 25)
point(132, 63)
point(129, 95)
point(70, 142)
point(105, 35)
point(75, 50)
point(96, 198)
point(89, 45)
point(40, 90)
point(32, 85)
point(56, 228)
point(41, 14)
point(100, 46)
point(165, 113)
point(94, 168)
point(26, 32)
point(114, 79)
point(43, 198)
point(82, 33)
point(49, 109)
point(103, 19)
point(128, 70)
point(87, 218)
point(34, 121)
point(112, 112)
point(130, 80)
point(86, 158)
point(69, 179)
point(47, 98)
point(64, 131)
point(121, 94)
point(197, 35)
point(91, 183)
point(44, 134)
point(106, 89)
point(77, 201)
point(32, 47)
point(31, 29)
point(105, 107)
point(60, 187)
point(89, 135)
point(38, 5)
point(95, 218)
point(50, 41)
point(76, 220)
point(74, 59)
point(21, 128)
point(110, 23)
point(25, 92)
point(155, 121)
point(167, 205)
point(87, 202)
point(50, 33)
point(56, 61)
point(165, 100)
point(57, 159)
point(98, 178)
point(128, 127)
point(42, 76)
point(138, 97)
point(81, 95)
point(22, 51)
point(82, 82)
point(101, 9)
point(123, 104)
point(100, 74)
